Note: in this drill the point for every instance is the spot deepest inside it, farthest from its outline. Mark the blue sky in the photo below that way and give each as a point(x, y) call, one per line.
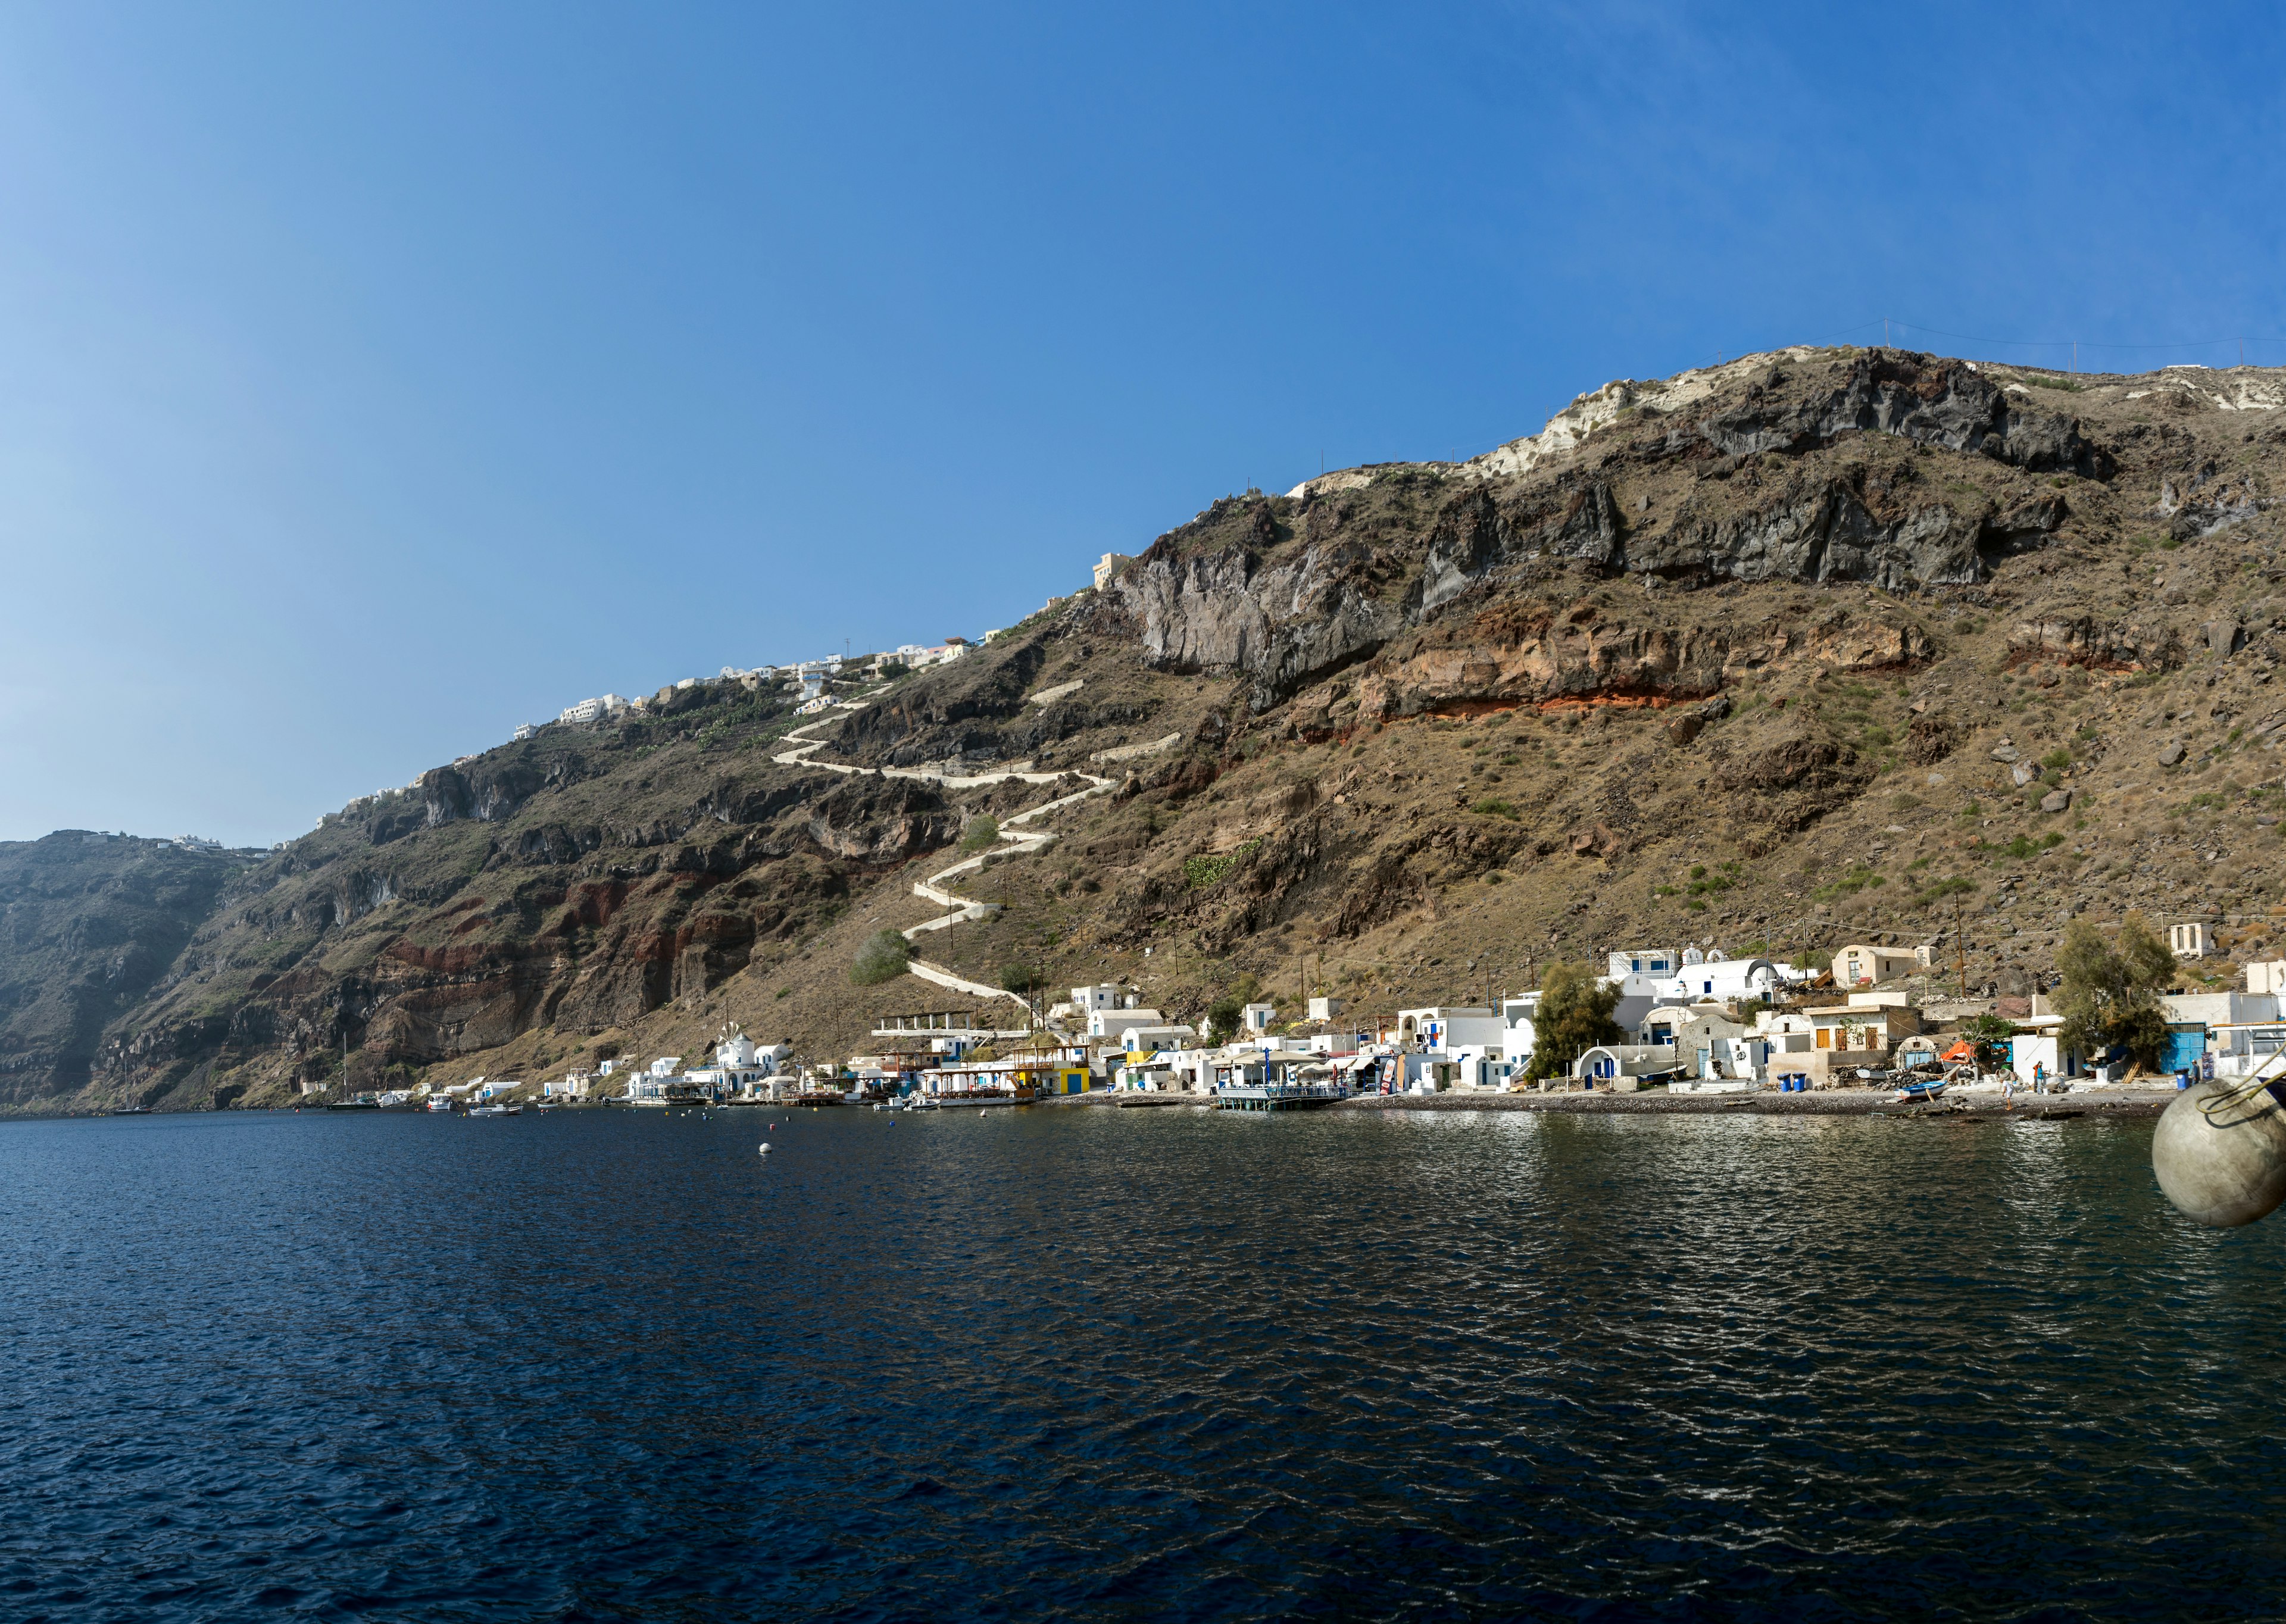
point(373, 379)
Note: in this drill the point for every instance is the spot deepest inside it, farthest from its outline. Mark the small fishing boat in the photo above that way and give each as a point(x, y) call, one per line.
point(440, 1102)
point(1922, 1088)
point(495, 1110)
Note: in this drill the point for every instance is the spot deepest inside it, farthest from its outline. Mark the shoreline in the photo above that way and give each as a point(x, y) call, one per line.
point(1829, 1102)
point(2111, 1104)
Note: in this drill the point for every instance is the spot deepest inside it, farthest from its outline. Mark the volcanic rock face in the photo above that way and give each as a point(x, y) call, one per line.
point(89, 924)
point(1243, 590)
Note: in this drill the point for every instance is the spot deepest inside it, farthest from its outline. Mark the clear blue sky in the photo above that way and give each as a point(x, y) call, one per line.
point(373, 378)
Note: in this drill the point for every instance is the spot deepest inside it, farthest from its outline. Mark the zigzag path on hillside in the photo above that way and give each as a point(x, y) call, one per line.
point(933, 888)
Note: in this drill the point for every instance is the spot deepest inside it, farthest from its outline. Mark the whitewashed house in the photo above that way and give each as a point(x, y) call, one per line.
point(1117, 1023)
point(1449, 1026)
point(1622, 1066)
point(1641, 973)
point(1519, 1031)
point(1712, 975)
point(574, 1085)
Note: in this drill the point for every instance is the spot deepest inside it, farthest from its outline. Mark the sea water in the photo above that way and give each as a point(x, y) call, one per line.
point(1114, 1364)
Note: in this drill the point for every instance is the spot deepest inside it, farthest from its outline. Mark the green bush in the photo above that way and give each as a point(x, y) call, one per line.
point(982, 833)
point(881, 958)
point(1496, 808)
point(1209, 869)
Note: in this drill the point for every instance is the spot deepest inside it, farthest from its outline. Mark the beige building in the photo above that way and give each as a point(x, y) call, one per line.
point(1862, 1025)
point(1864, 965)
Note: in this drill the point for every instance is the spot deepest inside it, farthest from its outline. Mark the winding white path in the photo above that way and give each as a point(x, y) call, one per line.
point(1023, 840)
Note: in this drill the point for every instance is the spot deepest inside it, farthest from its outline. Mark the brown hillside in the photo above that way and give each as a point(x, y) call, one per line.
point(1812, 647)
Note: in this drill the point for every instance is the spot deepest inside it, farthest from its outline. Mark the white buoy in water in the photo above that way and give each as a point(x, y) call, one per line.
point(2226, 1164)
point(765, 1150)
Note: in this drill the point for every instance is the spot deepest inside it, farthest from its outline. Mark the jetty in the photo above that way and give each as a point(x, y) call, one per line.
point(1278, 1096)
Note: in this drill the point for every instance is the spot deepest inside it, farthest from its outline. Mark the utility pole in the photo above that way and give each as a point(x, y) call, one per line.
point(1885, 332)
point(1959, 948)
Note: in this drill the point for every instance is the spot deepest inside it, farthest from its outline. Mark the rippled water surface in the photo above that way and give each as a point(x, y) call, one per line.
point(1126, 1364)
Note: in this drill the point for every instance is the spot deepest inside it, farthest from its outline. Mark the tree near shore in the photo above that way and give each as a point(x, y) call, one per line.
point(1226, 1012)
point(1989, 1036)
point(2111, 991)
point(1574, 1015)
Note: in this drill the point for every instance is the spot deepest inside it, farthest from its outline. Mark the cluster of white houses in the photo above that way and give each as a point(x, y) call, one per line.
point(1695, 1019)
point(812, 677)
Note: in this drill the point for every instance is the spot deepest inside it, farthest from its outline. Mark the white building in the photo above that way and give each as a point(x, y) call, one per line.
point(1519, 1029)
point(1622, 1065)
point(1109, 1023)
point(742, 1066)
point(1169, 1037)
point(1712, 975)
point(1449, 1028)
point(593, 710)
point(2266, 975)
point(2227, 1008)
point(2188, 941)
point(1325, 1009)
point(1258, 1017)
point(1087, 1000)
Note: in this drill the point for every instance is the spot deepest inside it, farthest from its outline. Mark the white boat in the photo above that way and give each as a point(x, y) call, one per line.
point(440, 1102)
point(495, 1110)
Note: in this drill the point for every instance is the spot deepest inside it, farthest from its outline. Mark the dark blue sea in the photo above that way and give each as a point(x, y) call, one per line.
point(1142, 1364)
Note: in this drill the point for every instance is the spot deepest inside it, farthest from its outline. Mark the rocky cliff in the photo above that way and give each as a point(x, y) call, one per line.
point(1824, 643)
point(90, 926)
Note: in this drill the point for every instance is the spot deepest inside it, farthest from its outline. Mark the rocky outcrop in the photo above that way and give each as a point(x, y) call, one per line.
point(1531, 655)
point(1938, 402)
point(1283, 623)
point(1796, 763)
point(1376, 557)
point(1929, 740)
point(2085, 640)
